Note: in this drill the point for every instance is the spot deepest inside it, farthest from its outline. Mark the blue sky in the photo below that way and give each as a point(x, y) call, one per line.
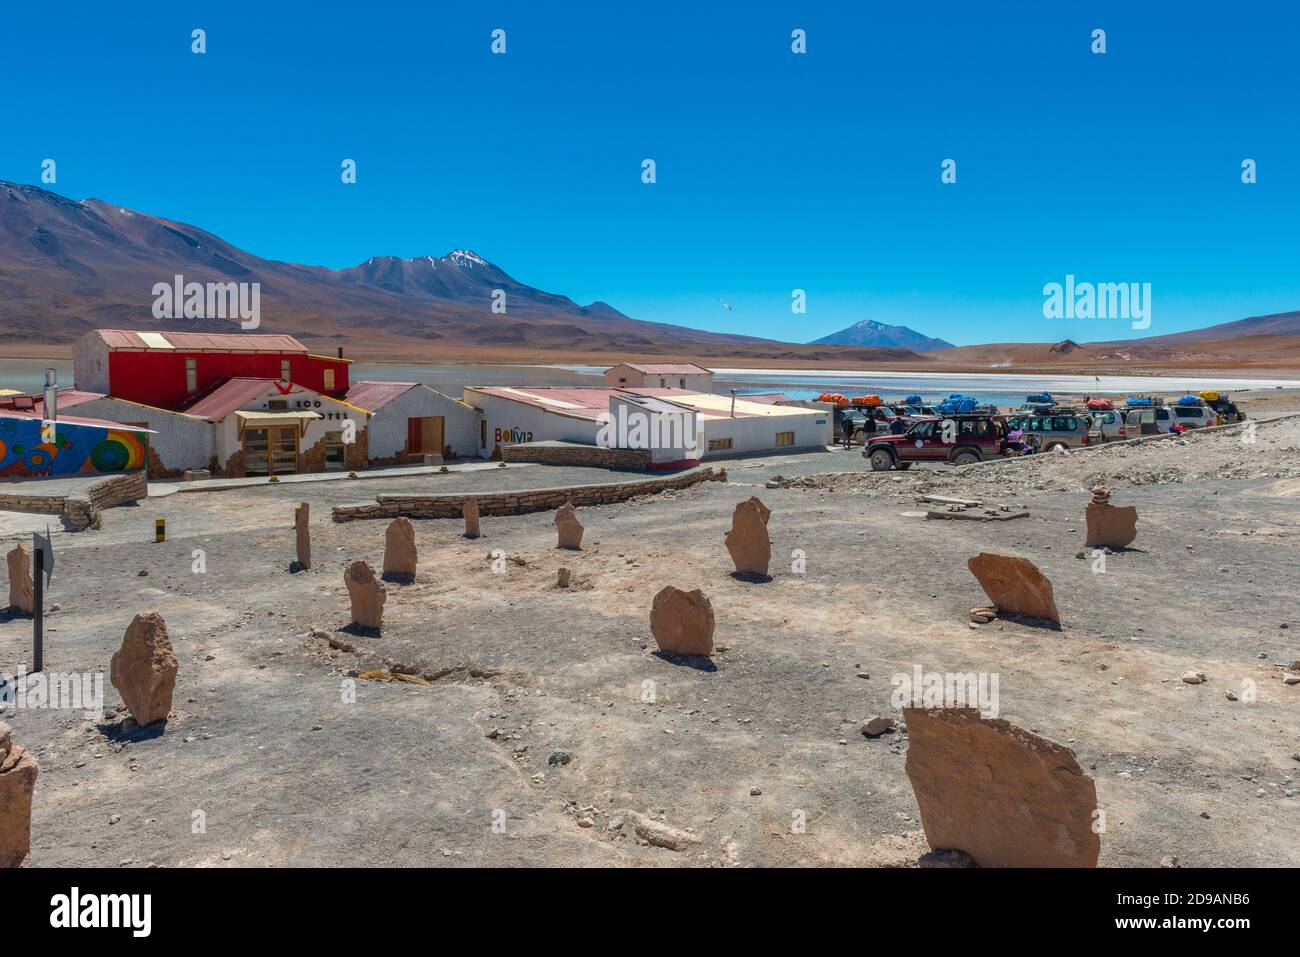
point(775, 171)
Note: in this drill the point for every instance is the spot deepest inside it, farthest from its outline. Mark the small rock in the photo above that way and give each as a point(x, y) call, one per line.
point(1194, 677)
point(875, 727)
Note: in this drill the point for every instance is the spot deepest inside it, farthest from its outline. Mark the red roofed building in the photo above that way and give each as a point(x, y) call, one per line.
point(166, 370)
point(659, 375)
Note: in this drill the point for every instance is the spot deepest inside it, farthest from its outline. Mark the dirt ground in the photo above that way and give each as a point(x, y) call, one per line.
point(534, 742)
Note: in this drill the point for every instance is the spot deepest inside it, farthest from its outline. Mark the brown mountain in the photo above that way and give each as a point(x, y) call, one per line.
point(67, 266)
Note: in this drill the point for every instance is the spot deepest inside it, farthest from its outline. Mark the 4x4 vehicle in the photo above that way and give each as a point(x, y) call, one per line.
point(969, 438)
point(1156, 420)
point(1056, 431)
point(1194, 416)
point(1105, 426)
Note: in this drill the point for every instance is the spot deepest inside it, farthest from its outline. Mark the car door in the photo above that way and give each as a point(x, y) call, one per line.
point(925, 442)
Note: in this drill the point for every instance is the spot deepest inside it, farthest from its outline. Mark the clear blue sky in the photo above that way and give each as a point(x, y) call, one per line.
point(775, 171)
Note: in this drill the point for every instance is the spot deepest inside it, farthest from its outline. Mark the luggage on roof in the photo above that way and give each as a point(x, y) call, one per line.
point(866, 400)
point(912, 400)
point(1140, 401)
point(1100, 405)
point(1186, 400)
point(1039, 397)
point(1209, 395)
point(834, 398)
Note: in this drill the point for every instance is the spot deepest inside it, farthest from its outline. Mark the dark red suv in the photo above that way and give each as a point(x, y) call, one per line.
point(959, 439)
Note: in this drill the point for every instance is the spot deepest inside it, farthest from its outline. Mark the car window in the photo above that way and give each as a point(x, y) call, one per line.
point(1162, 414)
point(922, 430)
point(974, 427)
point(1184, 412)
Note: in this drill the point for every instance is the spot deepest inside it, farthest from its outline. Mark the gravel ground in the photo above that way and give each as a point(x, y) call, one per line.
point(286, 770)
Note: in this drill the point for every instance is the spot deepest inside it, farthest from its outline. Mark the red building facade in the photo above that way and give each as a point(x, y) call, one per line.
point(168, 369)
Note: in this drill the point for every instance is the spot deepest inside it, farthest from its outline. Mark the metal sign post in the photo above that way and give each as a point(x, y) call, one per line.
point(43, 559)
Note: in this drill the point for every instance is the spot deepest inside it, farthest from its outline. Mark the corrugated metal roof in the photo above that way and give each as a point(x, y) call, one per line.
point(373, 396)
point(199, 341)
point(228, 397)
point(75, 420)
point(68, 399)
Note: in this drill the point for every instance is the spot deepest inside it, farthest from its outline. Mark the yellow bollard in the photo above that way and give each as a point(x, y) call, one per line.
point(160, 529)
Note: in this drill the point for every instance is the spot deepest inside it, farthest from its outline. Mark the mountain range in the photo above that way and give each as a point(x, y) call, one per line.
point(67, 266)
point(868, 332)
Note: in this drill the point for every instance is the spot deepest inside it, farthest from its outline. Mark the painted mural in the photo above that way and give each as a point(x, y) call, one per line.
point(75, 449)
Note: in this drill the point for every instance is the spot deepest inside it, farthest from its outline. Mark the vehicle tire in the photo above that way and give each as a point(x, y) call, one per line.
point(882, 460)
point(965, 457)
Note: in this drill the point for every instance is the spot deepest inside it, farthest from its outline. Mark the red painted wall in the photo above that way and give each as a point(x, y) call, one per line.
point(158, 378)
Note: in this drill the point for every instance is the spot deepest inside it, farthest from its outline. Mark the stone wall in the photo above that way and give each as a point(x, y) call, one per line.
point(577, 454)
point(78, 510)
point(516, 503)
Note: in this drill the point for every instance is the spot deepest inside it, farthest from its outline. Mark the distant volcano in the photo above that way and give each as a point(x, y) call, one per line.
point(872, 333)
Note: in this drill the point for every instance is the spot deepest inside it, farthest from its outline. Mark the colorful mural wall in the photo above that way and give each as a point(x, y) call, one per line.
point(75, 449)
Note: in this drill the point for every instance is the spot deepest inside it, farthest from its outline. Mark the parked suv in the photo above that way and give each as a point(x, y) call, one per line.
point(1055, 431)
point(1194, 416)
point(1153, 420)
point(970, 438)
point(1107, 425)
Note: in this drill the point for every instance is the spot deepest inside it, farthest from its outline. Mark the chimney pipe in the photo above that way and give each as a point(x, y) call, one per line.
point(340, 352)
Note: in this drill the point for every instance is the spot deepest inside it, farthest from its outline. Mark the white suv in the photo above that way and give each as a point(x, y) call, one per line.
point(1194, 416)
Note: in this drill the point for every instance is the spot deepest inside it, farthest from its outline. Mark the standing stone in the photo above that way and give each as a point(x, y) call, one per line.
point(682, 622)
point(748, 543)
point(20, 579)
point(1015, 585)
point(1005, 796)
point(303, 531)
point(563, 577)
point(470, 512)
point(144, 669)
point(366, 593)
point(399, 551)
point(1109, 526)
point(569, 528)
point(17, 782)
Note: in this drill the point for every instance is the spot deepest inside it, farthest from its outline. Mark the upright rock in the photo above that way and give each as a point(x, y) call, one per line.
point(302, 530)
point(748, 543)
point(1109, 526)
point(366, 594)
point(682, 622)
point(1014, 585)
point(567, 525)
point(20, 579)
point(1005, 796)
point(17, 782)
point(144, 669)
point(399, 551)
point(470, 511)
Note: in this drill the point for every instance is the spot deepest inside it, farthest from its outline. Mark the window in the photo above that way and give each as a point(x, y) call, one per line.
point(1063, 423)
point(277, 405)
point(715, 444)
point(922, 430)
point(973, 427)
point(1186, 412)
point(682, 382)
point(191, 375)
point(284, 370)
point(329, 380)
point(784, 438)
point(663, 383)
